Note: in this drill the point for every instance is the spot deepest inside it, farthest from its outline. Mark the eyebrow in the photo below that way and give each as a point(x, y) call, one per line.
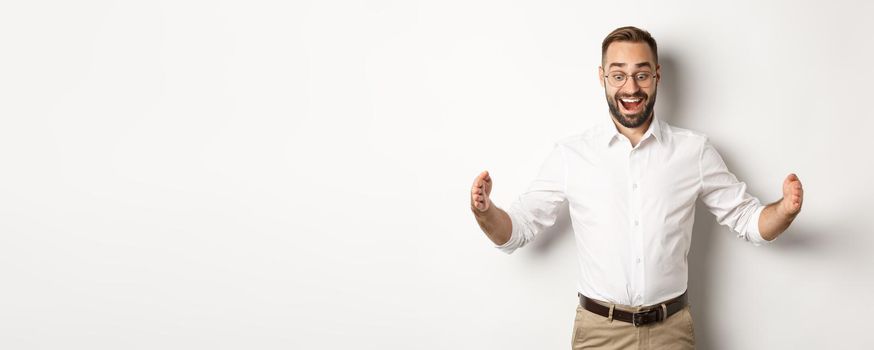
point(642, 64)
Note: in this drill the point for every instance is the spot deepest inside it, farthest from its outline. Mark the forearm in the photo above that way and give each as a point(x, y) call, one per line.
point(496, 224)
point(773, 222)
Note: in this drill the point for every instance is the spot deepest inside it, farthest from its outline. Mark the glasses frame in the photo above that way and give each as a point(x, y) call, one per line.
point(654, 76)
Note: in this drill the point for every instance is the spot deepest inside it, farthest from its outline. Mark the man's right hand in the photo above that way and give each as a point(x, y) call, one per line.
point(479, 193)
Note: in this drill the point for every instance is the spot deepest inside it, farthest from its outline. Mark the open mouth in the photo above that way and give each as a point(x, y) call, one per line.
point(631, 104)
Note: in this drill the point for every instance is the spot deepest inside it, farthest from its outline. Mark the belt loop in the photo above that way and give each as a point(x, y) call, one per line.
point(610, 314)
point(664, 311)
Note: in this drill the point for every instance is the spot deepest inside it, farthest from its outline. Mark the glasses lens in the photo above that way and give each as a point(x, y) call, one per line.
point(616, 79)
point(643, 79)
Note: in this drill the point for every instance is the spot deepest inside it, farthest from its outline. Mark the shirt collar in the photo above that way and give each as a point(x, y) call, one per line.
point(609, 131)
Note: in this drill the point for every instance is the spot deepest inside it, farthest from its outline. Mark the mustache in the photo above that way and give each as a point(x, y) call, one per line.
point(640, 95)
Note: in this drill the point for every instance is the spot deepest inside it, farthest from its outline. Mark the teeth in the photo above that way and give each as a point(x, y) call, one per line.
point(630, 100)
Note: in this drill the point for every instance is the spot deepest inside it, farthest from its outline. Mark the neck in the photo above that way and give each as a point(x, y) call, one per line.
point(633, 134)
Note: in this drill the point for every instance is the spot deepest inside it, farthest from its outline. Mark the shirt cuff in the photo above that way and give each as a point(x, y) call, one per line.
point(510, 245)
point(753, 235)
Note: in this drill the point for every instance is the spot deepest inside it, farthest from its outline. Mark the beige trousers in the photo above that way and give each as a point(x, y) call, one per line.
point(593, 331)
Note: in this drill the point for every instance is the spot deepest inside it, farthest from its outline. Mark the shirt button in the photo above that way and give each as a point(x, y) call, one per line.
point(636, 222)
point(638, 260)
point(634, 186)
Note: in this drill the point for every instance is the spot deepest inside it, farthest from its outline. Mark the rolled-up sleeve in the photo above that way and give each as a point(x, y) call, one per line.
point(727, 198)
point(753, 234)
point(538, 208)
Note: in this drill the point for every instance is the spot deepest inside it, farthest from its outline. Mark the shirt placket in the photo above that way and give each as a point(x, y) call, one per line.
point(635, 165)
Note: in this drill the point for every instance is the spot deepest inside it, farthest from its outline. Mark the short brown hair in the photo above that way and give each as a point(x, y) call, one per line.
point(632, 34)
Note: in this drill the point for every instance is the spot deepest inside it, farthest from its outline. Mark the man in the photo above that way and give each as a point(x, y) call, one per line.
point(630, 185)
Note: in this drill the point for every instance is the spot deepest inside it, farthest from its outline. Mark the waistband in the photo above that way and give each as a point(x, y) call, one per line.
point(637, 316)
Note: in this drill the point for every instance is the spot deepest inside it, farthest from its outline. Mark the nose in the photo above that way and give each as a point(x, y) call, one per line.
point(630, 86)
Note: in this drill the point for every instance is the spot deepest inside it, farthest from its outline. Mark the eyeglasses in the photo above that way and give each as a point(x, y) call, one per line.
point(618, 79)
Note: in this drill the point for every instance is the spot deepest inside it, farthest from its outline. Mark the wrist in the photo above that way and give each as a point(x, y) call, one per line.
point(482, 214)
point(783, 213)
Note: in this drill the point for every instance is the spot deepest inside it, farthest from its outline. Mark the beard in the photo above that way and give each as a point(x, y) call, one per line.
point(631, 120)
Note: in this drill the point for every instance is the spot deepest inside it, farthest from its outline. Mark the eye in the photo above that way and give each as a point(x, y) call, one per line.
point(617, 76)
point(642, 76)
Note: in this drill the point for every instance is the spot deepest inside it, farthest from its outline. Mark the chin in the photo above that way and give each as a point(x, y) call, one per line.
point(631, 121)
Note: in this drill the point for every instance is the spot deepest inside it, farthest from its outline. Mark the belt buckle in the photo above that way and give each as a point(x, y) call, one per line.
point(635, 320)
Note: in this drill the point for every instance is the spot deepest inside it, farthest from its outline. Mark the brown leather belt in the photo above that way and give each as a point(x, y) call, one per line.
point(656, 313)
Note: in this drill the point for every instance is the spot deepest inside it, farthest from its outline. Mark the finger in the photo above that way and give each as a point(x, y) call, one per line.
point(487, 177)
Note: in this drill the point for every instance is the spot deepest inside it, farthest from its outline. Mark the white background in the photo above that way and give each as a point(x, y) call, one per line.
point(295, 175)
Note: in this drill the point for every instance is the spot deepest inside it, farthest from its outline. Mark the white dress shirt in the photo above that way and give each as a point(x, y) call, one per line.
point(632, 208)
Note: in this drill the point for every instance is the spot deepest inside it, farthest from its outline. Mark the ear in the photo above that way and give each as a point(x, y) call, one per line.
point(601, 75)
point(658, 74)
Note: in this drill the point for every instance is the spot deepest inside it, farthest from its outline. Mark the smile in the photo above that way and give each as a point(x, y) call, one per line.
point(631, 104)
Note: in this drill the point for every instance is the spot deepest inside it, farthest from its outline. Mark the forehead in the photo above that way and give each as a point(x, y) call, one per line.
point(629, 53)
